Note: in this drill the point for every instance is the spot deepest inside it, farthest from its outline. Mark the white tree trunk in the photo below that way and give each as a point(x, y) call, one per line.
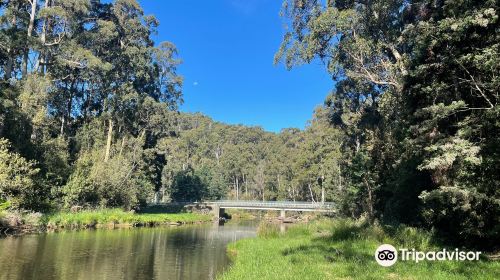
point(40, 63)
point(108, 142)
point(28, 37)
point(311, 192)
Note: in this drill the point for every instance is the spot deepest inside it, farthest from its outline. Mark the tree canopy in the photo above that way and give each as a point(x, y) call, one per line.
point(409, 134)
point(416, 98)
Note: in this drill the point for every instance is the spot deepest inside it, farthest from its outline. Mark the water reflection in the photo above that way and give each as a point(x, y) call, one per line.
point(187, 252)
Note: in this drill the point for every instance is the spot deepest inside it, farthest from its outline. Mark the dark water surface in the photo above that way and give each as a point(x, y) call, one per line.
point(185, 252)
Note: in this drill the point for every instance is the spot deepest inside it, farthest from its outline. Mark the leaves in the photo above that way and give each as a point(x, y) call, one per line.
point(18, 179)
point(416, 98)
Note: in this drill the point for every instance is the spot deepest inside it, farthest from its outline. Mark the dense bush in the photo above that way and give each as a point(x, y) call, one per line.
point(19, 180)
point(114, 183)
point(476, 217)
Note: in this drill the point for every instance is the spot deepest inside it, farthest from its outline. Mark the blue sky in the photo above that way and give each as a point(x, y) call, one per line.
point(227, 48)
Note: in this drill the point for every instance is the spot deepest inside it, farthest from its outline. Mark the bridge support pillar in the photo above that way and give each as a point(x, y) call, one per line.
point(216, 211)
point(282, 214)
point(222, 212)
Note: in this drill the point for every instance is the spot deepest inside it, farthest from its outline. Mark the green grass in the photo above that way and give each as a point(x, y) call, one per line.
point(92, 218)
point(342, 249)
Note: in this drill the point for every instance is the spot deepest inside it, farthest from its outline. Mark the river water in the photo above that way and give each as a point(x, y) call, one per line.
point(185, 252)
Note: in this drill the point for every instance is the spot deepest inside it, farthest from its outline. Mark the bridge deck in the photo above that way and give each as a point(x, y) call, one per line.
point(275, 205)
point(261, 205)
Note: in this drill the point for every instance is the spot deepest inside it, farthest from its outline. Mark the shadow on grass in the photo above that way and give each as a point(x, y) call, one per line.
point(162, 209)
point(344, 232)
point(343, 252)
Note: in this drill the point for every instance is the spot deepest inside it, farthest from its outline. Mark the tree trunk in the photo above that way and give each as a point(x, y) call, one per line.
point(279, 184)
point(218, 153)
point(42, 60)
point(28, 37)
point(66, 116)
point(108, 142)
point(237, 189)
point(69, 105)
point(322, 188)
point(122, 146)
point(10, 52)
point(311, 192)
point(246, 187)
point(63, 123)
point(8, 66)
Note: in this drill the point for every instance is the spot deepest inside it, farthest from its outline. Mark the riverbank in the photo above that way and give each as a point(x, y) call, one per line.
point(334, 249)
point(17, 222)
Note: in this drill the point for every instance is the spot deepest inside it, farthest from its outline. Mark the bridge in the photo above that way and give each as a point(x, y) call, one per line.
point(218, 206)
point(282, 206)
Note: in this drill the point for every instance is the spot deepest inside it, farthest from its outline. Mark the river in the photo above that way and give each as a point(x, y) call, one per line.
point(184, 252)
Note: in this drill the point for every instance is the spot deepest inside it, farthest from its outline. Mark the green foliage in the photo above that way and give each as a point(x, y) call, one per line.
point(93, 218)
point(187, 187)
point(56, 161)
point(211, 160)
point(117, 182)
point(18, 179)
point(416, 99)
point(476, 217)
point(5, 205)
point(452, 91)
point(338, 249)
point(85, 93)
point(88, 103)
point(90, 96)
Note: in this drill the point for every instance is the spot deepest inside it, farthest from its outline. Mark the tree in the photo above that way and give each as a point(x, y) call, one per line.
point(83, 76)
point(415, 96)
point(19, 181)
point(452, 102)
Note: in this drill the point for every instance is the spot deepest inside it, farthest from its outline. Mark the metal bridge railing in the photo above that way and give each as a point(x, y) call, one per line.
point(255, 204)
point(274, 204)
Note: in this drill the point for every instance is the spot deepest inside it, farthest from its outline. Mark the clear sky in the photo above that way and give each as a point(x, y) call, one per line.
point(227, 48)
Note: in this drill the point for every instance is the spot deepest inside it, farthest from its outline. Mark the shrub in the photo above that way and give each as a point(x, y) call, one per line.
point(116, 183)
point(19, 181)
point(463, 216)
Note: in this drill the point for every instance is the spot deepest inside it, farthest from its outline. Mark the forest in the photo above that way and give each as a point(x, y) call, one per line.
point(89, 114)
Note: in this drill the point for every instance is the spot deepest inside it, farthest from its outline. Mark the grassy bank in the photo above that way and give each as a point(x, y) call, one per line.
point(94, 218)
point(343, 249)
point(105, 217)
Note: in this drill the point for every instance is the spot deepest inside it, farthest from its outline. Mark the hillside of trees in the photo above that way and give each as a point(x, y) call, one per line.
point(409, 134)
point(210, 160)
point(89, 117)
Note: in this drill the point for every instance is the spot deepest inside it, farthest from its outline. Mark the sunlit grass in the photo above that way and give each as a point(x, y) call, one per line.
point(92, 218)
point(343, 249)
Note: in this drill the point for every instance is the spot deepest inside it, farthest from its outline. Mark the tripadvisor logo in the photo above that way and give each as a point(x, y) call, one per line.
point(387, 255)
